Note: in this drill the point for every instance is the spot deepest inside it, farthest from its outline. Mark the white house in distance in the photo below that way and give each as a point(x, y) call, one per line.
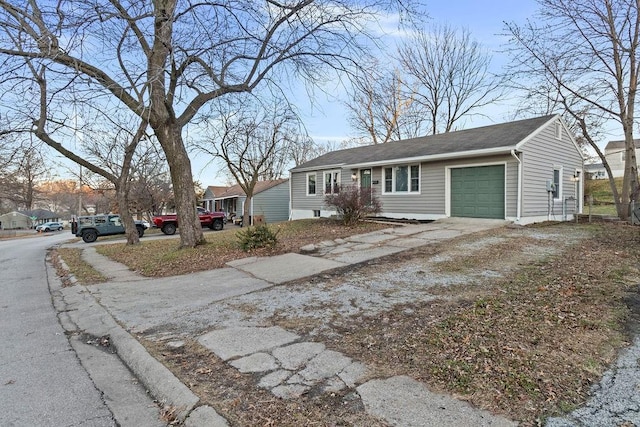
point(614, 152)
point(525, 171)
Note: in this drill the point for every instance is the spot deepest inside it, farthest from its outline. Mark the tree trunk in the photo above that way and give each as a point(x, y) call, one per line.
point(247, 219)
point(127, 219)
point(630, 177)
point(183, 189)
point(122, 195)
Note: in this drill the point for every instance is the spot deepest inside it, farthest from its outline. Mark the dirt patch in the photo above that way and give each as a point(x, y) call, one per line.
point(519, 321)
point(236, 396)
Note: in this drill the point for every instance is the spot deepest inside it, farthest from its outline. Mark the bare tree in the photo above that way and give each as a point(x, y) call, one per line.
point(448, 76)
point(378, 107)
point(60, 196)
point(587, 53)
point(164, 60)
point(305, 148)
point(20, 178)
point(251, 140)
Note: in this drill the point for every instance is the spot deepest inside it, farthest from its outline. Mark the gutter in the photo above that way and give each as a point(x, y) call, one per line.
point(519, 197)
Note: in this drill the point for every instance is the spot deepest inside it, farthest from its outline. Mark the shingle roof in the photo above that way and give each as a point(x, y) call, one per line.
point(505, 135)
point(40, 214)
point(619, 145)
point(236, 190)
point(216, 189)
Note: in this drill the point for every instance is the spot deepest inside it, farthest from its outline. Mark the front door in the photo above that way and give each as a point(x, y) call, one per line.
point(365, 185)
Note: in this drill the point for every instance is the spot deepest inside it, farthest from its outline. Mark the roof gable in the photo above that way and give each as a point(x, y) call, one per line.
point(237, 191)
point(503, 136)
point(213, 190)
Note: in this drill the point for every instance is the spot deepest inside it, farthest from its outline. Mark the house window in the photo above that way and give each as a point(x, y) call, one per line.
point(558, 130)
point(557, 182)
point(402, 179)
point(311, 184)
point(316, 213)
point(388, 180)
point(415, 179)
point(331, 182)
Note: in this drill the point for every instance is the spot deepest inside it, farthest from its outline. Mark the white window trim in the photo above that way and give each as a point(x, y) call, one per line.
point(561, 175)
point(558, 130)
point(306, 183)
point(324, 180)
point(393, 179)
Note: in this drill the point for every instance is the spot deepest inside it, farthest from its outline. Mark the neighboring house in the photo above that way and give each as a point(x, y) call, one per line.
point(524, 171)
point(40, 216)
point(15, 221)
point(595, 171)
point(614, 152)
point(270, 200)
point(27, 219)
point(209, 198)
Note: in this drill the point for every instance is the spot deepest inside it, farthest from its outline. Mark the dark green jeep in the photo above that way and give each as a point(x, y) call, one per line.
point(90, 227)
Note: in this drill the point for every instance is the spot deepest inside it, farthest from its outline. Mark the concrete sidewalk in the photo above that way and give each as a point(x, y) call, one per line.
point(287, 365)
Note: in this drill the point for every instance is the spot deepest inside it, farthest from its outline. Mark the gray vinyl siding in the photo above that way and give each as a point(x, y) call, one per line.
point(539, 157)
point(432, 197)
point(273, 203)
point(431, 200)
point(299, 198)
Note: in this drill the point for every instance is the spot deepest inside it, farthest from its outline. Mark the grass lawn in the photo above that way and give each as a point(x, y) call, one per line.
point(163, 257)
point(602, 197)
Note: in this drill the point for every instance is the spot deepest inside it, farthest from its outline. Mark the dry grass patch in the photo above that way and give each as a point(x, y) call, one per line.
point(83, 272)
point(163, 257)
point(528, 346)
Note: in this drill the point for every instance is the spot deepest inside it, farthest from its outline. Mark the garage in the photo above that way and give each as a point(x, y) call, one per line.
point(478, 192)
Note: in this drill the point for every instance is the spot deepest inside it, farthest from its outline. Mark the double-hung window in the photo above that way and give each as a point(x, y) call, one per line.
point(557, 183)
point(402, 179)
point(311, 184)
point(331, 182)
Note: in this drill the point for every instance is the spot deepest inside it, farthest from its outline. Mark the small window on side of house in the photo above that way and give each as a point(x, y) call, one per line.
point(557, 182)
point(558, 130)
point(316, 213)
point(311, 184)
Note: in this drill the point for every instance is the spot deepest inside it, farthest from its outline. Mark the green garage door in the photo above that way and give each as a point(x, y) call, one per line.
point(478, 192)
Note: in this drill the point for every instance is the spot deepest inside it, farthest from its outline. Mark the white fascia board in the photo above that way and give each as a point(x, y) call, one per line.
point(435, 157)
point(229, 197)
point(317, 168)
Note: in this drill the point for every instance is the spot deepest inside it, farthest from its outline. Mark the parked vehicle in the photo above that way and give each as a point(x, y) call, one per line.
point(49, 226)
point(169, 223)
point(91, 227)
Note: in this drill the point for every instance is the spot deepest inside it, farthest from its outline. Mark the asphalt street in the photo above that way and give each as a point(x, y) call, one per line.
point(42, 382)
point(51, 376)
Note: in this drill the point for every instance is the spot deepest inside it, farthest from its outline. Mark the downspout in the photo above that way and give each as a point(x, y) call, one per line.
point(519, 196)
point(290, 197)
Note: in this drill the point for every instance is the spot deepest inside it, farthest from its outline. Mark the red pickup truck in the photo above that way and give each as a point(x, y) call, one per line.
point(169, 223)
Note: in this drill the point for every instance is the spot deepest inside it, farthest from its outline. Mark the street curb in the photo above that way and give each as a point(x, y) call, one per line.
point(78, 311)
point(162, 384)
